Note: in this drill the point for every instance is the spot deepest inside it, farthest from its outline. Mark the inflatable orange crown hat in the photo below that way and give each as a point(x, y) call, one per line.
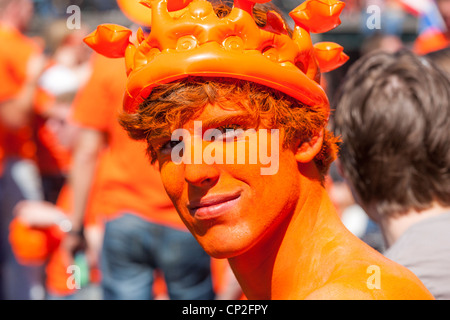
point(187, 38)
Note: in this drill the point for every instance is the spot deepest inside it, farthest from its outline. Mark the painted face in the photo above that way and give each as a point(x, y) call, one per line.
point(229, 205)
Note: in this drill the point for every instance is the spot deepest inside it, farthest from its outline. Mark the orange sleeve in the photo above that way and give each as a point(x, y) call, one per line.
point(92, 105)
point(14, 55)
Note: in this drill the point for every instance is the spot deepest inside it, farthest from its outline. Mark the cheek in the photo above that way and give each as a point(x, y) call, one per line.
point(172, 179)
point(269, 197)
point(278, 194)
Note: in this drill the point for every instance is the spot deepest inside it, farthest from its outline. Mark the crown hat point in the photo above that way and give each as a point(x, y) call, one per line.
point(318, 16)
point(188, 38)
point(330, 55)
point(109, 40)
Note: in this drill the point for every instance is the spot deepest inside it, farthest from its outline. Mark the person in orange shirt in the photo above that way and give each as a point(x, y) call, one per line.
point(35, 235)
point(39, 227)
point(143, 232)
point(21, 63)
point(68, 69)
point(204, 91)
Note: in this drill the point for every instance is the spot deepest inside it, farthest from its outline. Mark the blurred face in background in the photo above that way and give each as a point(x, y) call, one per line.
point(27, 11)
point(444, 8)
point(59, 123)
point(19, 11)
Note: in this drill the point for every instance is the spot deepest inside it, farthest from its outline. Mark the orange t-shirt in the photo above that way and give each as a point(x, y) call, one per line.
point(129, 183)
point(15, 51)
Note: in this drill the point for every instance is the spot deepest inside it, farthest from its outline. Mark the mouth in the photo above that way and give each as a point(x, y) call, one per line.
point(213, 206)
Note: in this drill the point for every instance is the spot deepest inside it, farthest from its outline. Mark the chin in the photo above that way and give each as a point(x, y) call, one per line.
point(223, 252)
point(218, 254)
point(224, 245)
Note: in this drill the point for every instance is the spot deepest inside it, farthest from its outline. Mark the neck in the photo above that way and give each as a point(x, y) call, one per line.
point(279, 265)
point(394, 226)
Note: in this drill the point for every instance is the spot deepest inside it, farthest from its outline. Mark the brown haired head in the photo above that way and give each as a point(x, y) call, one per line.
point(393, 116)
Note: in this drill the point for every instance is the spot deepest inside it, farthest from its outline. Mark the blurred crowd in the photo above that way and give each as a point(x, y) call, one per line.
point(62, 155)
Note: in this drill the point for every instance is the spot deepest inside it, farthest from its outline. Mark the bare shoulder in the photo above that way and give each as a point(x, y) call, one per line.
point(384, 281)
point(339, 291)
point(345, 291)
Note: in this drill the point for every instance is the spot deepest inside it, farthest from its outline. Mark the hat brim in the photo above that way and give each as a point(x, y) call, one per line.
point(212, 60)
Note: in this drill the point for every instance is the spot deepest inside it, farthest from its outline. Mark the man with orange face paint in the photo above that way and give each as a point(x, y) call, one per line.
point(227, 78)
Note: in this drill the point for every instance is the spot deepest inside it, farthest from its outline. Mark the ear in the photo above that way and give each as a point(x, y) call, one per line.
point(309, 149)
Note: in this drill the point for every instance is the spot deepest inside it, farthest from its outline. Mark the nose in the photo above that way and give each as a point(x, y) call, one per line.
point(201, 175)
point(197, 172)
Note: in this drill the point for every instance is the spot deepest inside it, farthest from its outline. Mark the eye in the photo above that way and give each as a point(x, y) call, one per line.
point(229, 127)
point(168, 146)
point(230, 132)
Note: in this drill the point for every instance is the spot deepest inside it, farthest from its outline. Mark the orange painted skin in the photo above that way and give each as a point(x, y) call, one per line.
point(281, 235)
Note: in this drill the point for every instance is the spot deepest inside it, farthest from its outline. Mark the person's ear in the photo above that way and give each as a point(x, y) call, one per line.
point(307, 151)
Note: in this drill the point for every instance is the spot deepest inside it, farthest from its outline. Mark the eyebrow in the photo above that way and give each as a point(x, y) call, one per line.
point(241, 118)
point(159, 140)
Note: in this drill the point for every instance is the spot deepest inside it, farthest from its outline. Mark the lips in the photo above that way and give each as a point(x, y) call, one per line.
point(213, 206)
